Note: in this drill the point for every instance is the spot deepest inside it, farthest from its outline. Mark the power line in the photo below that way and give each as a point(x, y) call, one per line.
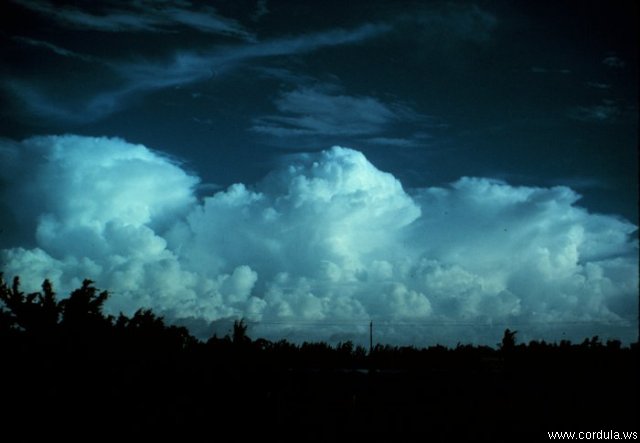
point(436, 323)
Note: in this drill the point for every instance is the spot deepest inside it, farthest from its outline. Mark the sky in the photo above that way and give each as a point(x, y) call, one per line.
point(443, 169)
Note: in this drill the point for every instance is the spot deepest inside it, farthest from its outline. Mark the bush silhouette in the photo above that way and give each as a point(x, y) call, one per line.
point(508, 340)
point(36, 313)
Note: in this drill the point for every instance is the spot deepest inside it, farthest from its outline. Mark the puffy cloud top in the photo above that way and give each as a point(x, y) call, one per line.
point(319, 247)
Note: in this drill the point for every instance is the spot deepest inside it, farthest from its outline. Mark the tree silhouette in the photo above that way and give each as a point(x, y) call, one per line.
point(508, 340)
point(82, 311)
point(37, 313)
point(153, 374)
point(240, 332)
point(146, 332)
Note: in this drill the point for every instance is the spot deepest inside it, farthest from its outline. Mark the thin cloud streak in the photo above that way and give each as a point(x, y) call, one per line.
point(140, 17)
point(184, 68)
point(58, 50)
point(614, 61)
point(311, 111)
point(321, 110)
point(397, 142)
point(187, 67)
point(606, 112)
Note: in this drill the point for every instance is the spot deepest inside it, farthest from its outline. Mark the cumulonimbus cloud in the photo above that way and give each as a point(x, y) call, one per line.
point(319, 247)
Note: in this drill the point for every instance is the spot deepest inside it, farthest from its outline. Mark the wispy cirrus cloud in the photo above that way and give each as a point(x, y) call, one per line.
point(42, 104)
point(613, 61)
point(318, 111)
point(189, 66)
point(598, 85)
point(451, 22)
point(396, 142)
point(469, 22)
point(261, 10)
point(58, 50)
point(324, 110)
point(184, 67)
point(607, 111)
point(139, 16)
point(541, 70)
point(581, 183)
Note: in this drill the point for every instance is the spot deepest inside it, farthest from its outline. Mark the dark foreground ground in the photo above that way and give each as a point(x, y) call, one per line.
point(68, 372)
point(516, 398)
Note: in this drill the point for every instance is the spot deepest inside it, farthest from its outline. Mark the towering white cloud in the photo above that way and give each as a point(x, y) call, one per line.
point(319, 247)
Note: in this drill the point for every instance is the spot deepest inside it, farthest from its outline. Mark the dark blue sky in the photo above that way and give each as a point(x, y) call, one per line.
point(491, 180)
point(536, 93)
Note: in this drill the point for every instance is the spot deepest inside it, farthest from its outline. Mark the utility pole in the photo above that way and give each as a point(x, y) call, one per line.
point(370, 337)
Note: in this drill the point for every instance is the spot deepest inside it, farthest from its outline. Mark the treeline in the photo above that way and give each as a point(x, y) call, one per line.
point(69, 370)
point(40, 322)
